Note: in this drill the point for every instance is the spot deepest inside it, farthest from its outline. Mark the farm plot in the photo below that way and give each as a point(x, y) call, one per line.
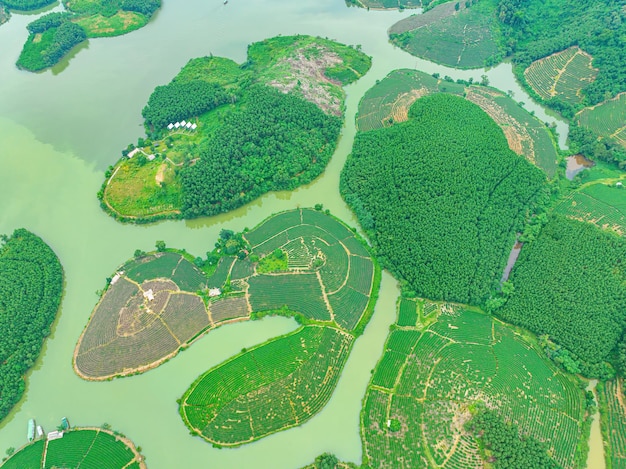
point(562, 75)
point(607, 118)
point(274, 386)
point(461, 39)
point(300, 293)
point(136, 326)
point(84, 448)
point(158, 265)
point(229, 308)
point(602, 205)
point(185, 316)
point(426, 384)
point(613, 421)
point(388, 102)
point(29, 457)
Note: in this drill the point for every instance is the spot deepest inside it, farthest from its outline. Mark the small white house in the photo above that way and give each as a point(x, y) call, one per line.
point(188, 125)
point(183, 123)
point(151, 157)
point(115, 278)
point(133, 153)
point(215, 292)
point(177, 125)
point(194, 126)
point(149, 294)
point(55, 435)
point(170, 126)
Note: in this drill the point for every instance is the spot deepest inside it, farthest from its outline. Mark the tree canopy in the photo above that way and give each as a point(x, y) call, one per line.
point(273, 141)
point(569, 284)
point(507, 448)
point(441, 197)
point(31, 283)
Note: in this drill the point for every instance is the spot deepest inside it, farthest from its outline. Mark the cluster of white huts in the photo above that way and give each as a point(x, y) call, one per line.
point(182, 125)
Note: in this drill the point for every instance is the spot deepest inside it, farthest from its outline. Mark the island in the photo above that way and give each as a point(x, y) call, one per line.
point(220, 135)
point(31, 284)
point(52, 36)
point(84, 447)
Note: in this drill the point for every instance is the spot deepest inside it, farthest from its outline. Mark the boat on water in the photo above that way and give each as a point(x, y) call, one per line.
point(31, 430)
point(65, 423)
point(39, 431)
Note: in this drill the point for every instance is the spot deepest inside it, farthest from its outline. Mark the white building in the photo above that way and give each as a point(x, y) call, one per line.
point(170, 126)
point(133, 153)
point(55, 435)
point(149, 294)
point(215, 292)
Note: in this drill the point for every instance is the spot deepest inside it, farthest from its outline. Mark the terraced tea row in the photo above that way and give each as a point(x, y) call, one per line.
point(600, 204)
point(607, 119)
point(159, 303)
point(613, 421)
point(275, 386)
point(428, 383)
point(562, 75)
point(388, 102)
point(84, 448)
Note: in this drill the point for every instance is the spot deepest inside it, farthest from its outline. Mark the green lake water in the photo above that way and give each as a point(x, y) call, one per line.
point(59, 131)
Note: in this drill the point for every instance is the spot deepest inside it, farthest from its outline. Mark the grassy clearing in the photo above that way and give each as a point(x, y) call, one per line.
point(462, 38)
point(429, 381)
point(134, 190)
point(121, 23)
point(82, 447)
point(272, 387)
point(131, 332)
point(388, 102)
point(607, 119)
point(562, 75)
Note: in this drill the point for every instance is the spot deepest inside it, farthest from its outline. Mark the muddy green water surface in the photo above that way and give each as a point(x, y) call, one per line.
point(60, 129)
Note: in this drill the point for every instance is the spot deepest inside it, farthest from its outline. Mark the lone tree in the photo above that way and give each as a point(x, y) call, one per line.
point(326, 461)
point(160, 246)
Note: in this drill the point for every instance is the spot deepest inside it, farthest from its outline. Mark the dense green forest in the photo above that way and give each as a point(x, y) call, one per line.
point(569, 285)
point(53, 35)
point(507, 448)
point(177, 101)
point(273, 141)
point(31, 283)
point(441, 197)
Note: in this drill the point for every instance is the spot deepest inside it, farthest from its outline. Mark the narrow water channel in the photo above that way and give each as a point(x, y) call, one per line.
point(595, 458)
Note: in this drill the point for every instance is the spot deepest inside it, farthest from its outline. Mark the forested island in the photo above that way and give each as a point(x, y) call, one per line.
point(52, 36)
point(31, 283)
point(221, 134)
